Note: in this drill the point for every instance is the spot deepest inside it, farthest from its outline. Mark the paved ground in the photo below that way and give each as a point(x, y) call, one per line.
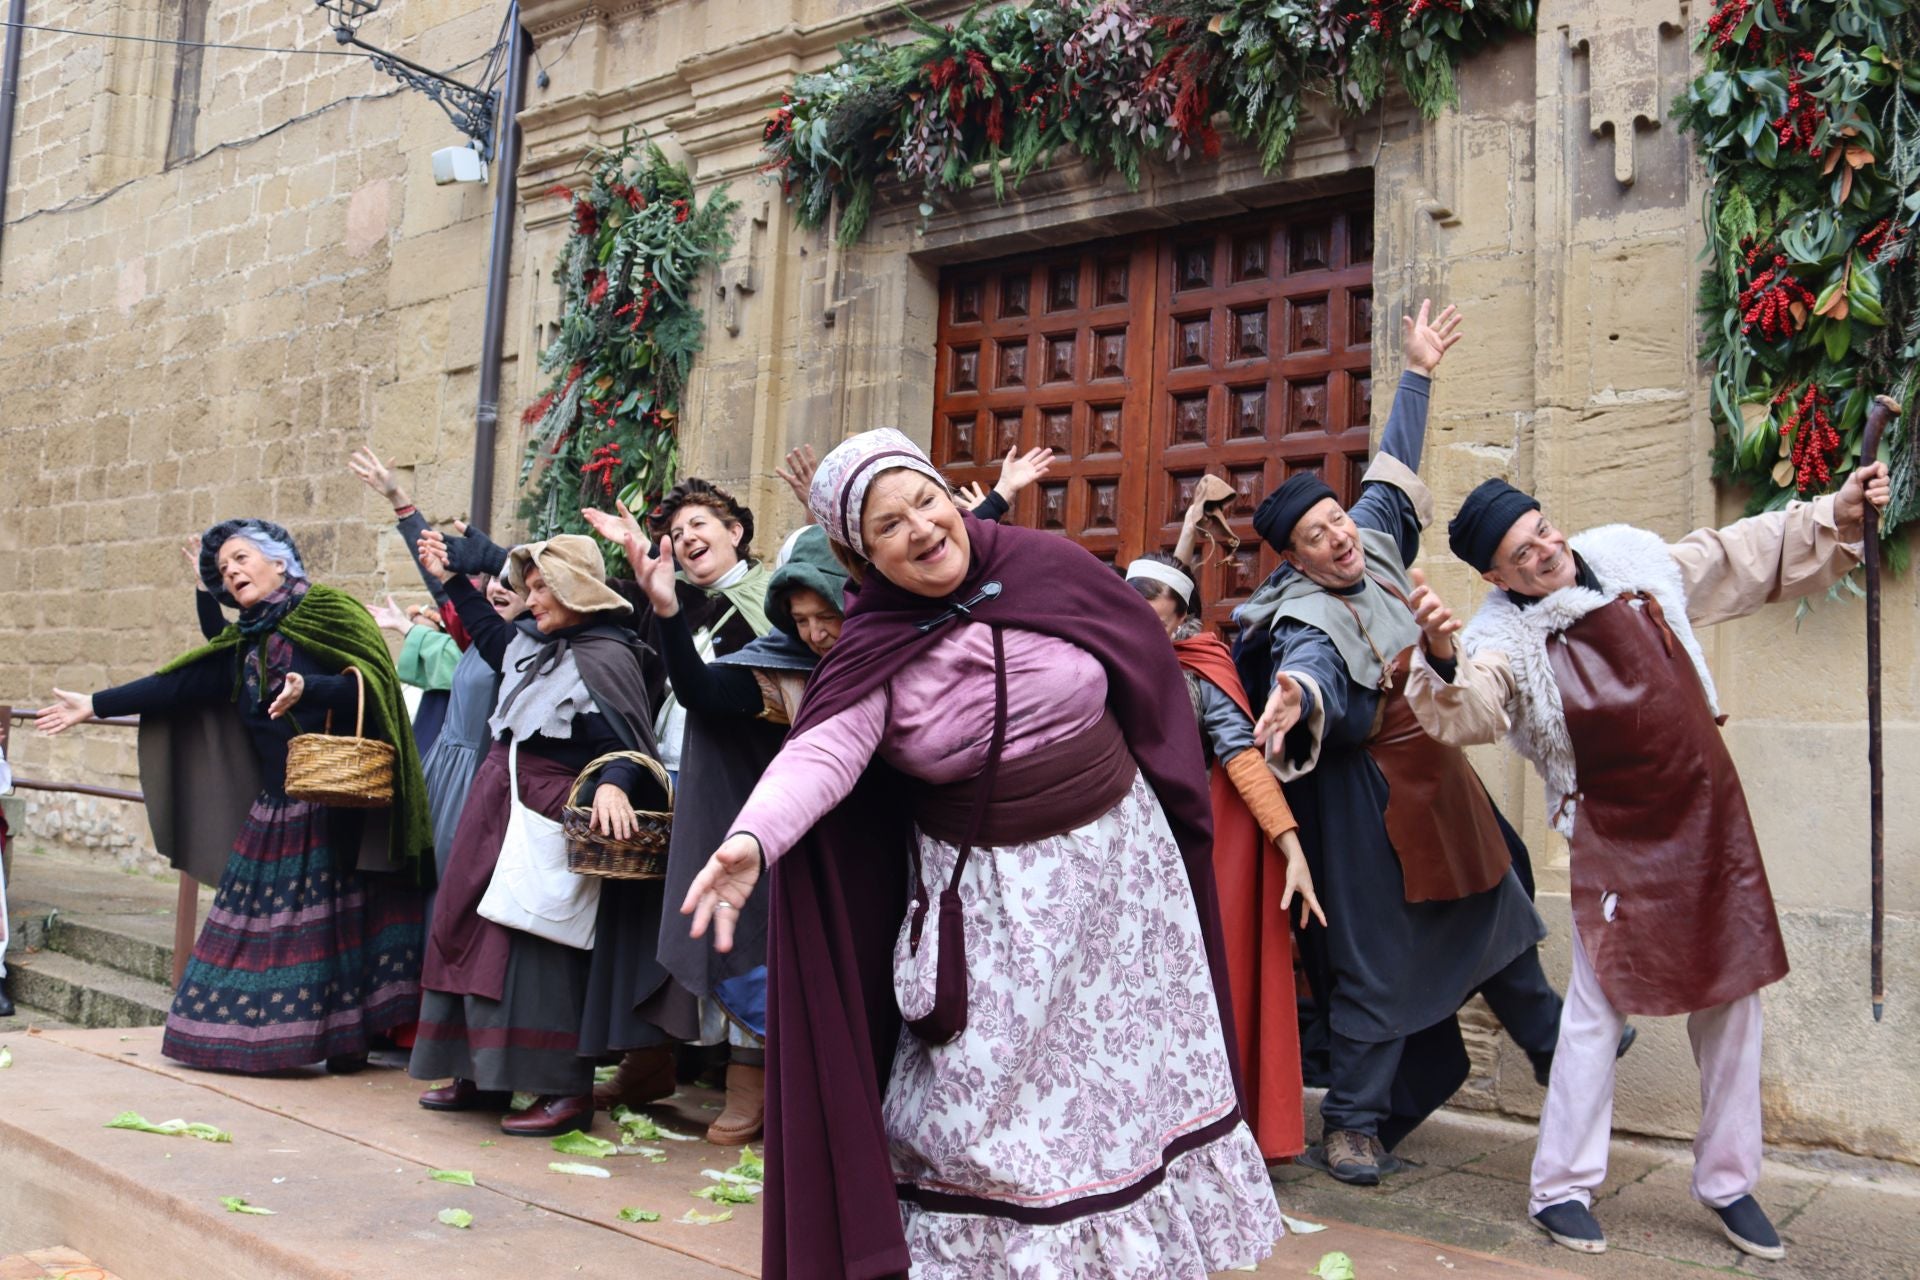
point(1842, 1218)
point(343, 1161)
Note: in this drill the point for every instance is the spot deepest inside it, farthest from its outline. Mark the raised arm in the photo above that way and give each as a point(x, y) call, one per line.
point(490, 632)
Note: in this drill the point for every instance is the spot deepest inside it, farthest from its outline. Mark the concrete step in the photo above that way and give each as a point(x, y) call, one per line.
point(84, 993)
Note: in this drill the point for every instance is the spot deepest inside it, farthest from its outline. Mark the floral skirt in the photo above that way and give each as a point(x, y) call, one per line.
point(300, 960)
point(1085, 1123)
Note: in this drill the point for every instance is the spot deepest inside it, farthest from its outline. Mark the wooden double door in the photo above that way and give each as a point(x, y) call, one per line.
point(1241, 348)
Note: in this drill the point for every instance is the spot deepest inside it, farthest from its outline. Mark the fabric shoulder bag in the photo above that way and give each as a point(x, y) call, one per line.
point(532, 890)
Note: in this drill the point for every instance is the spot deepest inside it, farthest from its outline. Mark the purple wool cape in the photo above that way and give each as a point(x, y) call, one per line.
point(838, 897)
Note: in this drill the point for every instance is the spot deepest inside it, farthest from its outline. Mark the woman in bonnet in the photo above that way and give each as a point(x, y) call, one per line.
point(312, 947)
point(996, 989)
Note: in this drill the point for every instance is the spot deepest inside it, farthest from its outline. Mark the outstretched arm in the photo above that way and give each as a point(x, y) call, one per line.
point(1780, 555)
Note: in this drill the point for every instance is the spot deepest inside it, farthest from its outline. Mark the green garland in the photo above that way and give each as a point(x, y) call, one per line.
point(1806, 118)
point(1116, 82)
point(629, 330)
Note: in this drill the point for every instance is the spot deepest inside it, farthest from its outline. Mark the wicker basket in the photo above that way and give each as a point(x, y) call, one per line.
point(348, 773)
point(641, 856)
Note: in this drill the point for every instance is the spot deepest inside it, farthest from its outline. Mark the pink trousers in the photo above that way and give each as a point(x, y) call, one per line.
point(1570, 1162)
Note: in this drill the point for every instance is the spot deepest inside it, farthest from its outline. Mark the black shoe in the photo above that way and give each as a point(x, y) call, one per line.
point(1628, 1034)
point(1572, 1224)
point(345, 1064)
point(6, 1001)
point(1746, 1224)
point(1347, 1156)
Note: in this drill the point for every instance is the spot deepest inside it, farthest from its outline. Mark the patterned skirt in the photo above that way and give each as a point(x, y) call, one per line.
point(1085, 1122)
point(300, 959)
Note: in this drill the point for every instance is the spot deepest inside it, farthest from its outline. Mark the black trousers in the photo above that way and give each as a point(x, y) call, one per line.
point(1387, 1088)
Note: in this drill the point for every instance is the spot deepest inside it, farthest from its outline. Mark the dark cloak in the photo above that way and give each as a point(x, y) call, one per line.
point(632, 1000)
point(838, 896)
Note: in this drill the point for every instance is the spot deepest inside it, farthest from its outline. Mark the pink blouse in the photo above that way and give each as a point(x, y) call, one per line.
point(932, 721)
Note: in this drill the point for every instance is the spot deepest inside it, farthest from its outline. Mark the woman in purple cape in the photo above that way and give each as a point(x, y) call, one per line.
point(997, 995)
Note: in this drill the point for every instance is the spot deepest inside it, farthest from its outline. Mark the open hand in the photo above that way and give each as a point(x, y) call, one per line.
point(722, 888)
point(798, 473)
point(192, 552)
point(291, 690)
point(969, 496)
point(391, 617)
point(1426, 342)
point(1299, 882)
point(1018, 470)
point(433, 555)
point(654, 574)
point(1435, 619)
point(613, 812)
point(1281, 714)
point(68, 710)
point(1869, 483)
point(377, 475)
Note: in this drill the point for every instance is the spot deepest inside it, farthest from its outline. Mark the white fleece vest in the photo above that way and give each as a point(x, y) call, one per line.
point(1624, 559)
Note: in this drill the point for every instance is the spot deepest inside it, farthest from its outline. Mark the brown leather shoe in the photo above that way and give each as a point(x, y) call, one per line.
point(1349, 1157)
point(465, 1095)
point(551, 1116)
point(746, 1110)
point(643, 1076)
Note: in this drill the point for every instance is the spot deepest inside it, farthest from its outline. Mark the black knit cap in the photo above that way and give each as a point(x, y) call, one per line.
point(1489, 511)
point(1285, 506)
point(220, 534)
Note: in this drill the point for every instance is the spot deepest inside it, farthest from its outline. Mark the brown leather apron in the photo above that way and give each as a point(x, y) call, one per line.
point(1669, 892)
point(1439, 819)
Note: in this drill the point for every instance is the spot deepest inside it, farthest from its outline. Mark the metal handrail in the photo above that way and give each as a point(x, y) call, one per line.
point(186, 904)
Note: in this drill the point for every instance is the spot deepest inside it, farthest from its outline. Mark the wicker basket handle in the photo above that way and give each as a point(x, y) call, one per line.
point(640, 758)
point(360, 707)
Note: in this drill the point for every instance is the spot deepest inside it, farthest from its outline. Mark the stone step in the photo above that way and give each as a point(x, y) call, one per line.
point(84, 993)
point(105, 945)
point(51, 1264)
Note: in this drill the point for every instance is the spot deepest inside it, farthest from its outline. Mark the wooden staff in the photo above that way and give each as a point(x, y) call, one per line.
point(1883, 410)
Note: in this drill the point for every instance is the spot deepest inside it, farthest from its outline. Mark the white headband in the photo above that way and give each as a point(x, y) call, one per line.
point(1163, 573)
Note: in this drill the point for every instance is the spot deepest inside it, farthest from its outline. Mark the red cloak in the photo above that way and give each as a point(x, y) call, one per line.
point(1250, 872)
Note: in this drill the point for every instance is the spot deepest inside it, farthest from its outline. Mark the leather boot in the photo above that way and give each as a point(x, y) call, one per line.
point(746, 1109)
point(6, 1001)
point(551, 1116)
point(643, 1076)
point(465, 1095)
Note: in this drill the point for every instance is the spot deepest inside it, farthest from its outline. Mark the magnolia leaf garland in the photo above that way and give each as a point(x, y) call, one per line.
point(1115, 82)
point(605, 427)
point(1805, 116)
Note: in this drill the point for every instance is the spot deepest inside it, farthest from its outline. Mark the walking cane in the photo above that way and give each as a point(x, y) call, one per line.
point(1883, 410)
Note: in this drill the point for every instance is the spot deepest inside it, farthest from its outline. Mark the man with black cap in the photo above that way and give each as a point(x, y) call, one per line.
point(1423, 905)
point(1671, 909)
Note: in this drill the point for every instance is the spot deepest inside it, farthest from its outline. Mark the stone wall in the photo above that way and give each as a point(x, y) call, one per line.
point(184, 344)
point(179, 344)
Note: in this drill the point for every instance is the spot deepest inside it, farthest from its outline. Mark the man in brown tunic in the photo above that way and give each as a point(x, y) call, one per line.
point(1584, 657)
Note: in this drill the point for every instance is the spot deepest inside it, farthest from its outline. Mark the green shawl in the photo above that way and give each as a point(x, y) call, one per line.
point(748, 596)
point(335, 628)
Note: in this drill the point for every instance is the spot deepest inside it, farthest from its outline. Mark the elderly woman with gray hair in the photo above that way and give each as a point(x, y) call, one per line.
point(312, 947)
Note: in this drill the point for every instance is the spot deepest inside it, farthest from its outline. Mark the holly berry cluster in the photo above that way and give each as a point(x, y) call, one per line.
point(1810, 436)
point(1800, 123)
point(1773, 301)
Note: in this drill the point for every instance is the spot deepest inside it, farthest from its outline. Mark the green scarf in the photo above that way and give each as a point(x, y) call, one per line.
point(335, 628)
point(748, 596)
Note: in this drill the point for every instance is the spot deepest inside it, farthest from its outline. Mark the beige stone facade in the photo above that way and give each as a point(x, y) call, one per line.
point(182, 343)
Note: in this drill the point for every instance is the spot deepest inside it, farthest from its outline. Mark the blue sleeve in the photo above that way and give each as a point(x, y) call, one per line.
point(1383, 506)
point(1308, 651)
point(411, 528)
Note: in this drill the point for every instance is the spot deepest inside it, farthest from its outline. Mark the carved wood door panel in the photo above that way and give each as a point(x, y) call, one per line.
point(1240, 348)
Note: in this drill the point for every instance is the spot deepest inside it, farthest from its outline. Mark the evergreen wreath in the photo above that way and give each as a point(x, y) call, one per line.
point(1116, 82)
point(629, 330)
point(1807, 118)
